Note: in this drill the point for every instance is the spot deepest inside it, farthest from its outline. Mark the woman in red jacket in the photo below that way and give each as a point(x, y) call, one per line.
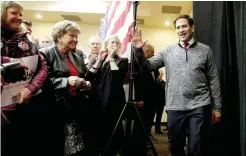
point(16, 44)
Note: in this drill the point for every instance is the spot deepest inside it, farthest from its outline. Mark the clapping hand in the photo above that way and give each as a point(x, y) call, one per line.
point(113, 51)
point(102, 54)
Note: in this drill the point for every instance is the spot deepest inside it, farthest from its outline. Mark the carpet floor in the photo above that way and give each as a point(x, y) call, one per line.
point(161, 143)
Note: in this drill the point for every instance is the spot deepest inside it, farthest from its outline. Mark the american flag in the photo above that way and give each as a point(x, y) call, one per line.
point(118, 20)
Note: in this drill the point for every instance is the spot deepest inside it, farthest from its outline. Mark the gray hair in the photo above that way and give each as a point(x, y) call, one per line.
point(94, 38)
point(62, 27)
point(7, 4)
point(48, 41)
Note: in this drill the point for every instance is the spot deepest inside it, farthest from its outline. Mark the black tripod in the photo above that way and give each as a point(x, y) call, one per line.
point(131, 104)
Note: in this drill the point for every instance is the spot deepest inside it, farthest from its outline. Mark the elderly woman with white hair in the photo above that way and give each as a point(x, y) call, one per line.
point(68, 79)
point(109, 86)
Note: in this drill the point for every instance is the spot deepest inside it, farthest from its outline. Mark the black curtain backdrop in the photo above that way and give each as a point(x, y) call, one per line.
point(222, 26)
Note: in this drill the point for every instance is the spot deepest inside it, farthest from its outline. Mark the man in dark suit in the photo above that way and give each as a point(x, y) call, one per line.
point(146, 89)
point(160, 102)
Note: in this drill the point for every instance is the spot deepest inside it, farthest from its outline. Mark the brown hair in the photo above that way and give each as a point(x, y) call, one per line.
point(189, 19)
point(7, 4)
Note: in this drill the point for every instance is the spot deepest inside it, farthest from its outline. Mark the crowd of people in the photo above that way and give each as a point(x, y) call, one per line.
point(73, 101)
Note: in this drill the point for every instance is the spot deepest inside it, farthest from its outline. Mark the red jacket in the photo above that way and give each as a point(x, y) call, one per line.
point(18, 45)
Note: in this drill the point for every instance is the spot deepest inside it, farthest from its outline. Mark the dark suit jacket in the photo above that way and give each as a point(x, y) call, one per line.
point(145, 85)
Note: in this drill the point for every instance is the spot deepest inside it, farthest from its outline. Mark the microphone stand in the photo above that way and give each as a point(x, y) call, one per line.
point(129, 121)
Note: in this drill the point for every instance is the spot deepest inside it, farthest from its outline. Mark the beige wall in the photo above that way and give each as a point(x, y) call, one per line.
point(191, 13)
point(159, 38)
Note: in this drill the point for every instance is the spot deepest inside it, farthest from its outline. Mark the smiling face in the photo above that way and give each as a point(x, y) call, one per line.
point(69, 39)
point(184, 30)
point(13, 18)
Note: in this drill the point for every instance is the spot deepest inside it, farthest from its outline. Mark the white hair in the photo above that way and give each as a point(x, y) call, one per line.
point(94, 38)
point(105, 44)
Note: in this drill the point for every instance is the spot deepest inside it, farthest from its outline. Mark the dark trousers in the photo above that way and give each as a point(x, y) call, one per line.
point(194, 124)
point(159, 112)
point(107, 121)
point(148, 114)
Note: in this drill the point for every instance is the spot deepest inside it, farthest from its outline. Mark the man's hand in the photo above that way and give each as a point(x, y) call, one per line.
point(137, 38)
point(140, 103)
point(26, 95)
point(215, 116)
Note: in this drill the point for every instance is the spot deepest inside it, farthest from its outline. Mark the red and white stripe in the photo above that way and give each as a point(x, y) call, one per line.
point(119, 21)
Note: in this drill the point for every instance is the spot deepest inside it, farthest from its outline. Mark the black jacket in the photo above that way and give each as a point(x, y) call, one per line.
point(146, 86)
point(109, 83)
point(58, 69)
